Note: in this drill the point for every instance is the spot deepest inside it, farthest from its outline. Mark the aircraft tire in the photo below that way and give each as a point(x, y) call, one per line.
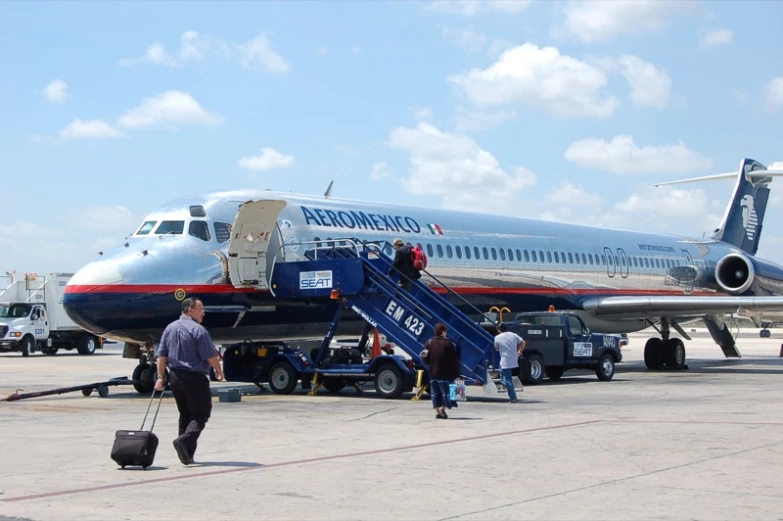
point(674, 353)
point(652, 353)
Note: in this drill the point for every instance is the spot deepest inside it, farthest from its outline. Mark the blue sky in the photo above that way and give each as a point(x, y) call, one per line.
point(555, 110)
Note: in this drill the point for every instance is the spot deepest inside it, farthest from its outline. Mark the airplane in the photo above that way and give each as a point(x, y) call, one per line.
point(210, 246)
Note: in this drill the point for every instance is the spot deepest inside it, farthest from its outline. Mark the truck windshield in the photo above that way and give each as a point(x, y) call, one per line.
point(545, 319)
point(15, 310)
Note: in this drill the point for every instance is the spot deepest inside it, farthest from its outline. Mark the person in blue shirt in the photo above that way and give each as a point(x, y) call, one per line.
point(187, 349)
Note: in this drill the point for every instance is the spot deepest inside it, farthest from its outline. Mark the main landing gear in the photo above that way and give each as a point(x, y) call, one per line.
point(665, 352)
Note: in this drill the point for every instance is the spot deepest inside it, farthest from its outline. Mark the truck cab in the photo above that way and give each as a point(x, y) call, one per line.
point(559, 341)
point(23, 327)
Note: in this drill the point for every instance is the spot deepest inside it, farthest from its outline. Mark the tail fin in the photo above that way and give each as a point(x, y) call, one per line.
point(742, 223)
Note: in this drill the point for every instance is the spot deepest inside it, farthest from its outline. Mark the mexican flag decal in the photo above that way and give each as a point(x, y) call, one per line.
point(434, 228)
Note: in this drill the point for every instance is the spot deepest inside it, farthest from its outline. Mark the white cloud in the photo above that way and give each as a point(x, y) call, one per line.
point(104, 218)
point(591, 21)
point(466, 39)
point(473, 7)
point(569, 194)
point(650, 86)
point(456, 167)
point(380, 171)
point(56, 91)
point(623, 156)
point(169, 107)
point(256, 53)
point(94, 128)
point(666, 201)
point(269, 159)
point(775, 93)
point(422, 113)
point(477, 120)
point(542, 78)
point(717, 37)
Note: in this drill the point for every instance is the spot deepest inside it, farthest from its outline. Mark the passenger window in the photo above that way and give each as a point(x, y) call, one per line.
point(440, 250)
point(448, 250)
point(173, 227)
point(541, 256)
point(502, 254)
point(199, 229)
point(549, 256)
point(146, 228)
point(429, 250)
point(527, 256)
point(222, 231)
point(519, 256)
point(571, 258)
point(467, 252)
point(533, 252)
point(494, 254)
point(459, 251)
point(476, 252)
point(557, 258)
point(584, 259)
point(486, 253)
point(511, 254)
point(590, 258)
point(197, 211)
point(575, 325)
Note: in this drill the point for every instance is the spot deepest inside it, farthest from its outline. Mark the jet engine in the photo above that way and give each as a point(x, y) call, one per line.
point(734, 273)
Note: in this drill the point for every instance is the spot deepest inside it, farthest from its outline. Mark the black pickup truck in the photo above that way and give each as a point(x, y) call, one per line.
point(557, 341)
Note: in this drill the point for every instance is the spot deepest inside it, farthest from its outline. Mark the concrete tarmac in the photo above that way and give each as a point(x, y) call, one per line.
point(703, 443)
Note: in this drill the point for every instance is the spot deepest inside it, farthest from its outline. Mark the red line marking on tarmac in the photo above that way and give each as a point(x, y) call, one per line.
point(293, 462)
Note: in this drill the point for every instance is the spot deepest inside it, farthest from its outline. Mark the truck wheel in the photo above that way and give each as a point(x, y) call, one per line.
point(535, 373)
point(605, 368)
point(282, 378)
point(388, 381)
point(87, 345)
point(25, 346)
point(554, 373)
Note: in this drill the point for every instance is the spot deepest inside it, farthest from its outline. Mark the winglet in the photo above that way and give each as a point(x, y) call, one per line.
point(328, 190)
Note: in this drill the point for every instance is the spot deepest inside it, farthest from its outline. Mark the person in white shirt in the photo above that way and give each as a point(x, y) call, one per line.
point(510, 345)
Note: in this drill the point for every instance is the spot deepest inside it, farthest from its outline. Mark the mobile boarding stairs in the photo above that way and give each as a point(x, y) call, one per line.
point(356, 275)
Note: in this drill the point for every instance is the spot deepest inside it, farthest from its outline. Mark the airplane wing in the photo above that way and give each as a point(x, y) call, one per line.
point(656, 306)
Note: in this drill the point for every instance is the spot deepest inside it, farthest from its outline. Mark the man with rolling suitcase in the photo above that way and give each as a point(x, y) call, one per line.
point(187, 349)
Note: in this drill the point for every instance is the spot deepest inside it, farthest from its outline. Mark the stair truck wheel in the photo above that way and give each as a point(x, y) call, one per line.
point(282, 378)
point(388, 381)
point(536, 372)
point(87, 345)
point(605, 368)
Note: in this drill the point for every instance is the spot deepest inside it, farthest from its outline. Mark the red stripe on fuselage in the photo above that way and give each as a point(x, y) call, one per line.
point(227, 288)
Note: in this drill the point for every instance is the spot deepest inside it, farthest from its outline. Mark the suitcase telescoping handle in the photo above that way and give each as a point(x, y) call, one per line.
point(154, 419)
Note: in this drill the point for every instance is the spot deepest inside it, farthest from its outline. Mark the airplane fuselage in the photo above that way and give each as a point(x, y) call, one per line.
point(134, 291)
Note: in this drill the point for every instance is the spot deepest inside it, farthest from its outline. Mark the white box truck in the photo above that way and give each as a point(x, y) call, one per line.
point(32, 316)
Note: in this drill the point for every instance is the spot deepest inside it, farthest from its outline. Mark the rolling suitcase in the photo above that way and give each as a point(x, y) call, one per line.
point(137, 447)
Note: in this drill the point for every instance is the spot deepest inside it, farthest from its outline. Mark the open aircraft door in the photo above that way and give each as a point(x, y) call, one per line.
point(249, 256)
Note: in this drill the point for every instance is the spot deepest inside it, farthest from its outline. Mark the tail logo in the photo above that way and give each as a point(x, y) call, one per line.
point(749, 218)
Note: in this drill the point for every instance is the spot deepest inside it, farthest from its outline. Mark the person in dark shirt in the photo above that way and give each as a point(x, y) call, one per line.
point(187, 349)
point(441, 357)
point(404, 263)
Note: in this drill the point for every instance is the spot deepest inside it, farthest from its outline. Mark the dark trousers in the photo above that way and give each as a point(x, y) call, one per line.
point(194, 402)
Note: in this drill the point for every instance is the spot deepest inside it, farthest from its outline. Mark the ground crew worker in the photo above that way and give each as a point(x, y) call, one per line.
point(510, 345)
point(187, 349)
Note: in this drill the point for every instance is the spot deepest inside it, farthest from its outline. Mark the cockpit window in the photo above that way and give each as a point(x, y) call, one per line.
point(199, 229)
point(173, 227)
point(146, 228)
point(197, 211)
point(222, 231)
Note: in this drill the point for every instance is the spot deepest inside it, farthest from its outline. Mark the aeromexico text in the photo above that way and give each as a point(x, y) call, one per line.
point(366, 221)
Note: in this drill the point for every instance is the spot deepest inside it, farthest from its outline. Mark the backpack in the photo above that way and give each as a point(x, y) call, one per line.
point(418, 257)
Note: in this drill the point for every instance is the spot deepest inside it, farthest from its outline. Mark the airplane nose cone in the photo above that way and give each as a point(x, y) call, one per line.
point(85, 295)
